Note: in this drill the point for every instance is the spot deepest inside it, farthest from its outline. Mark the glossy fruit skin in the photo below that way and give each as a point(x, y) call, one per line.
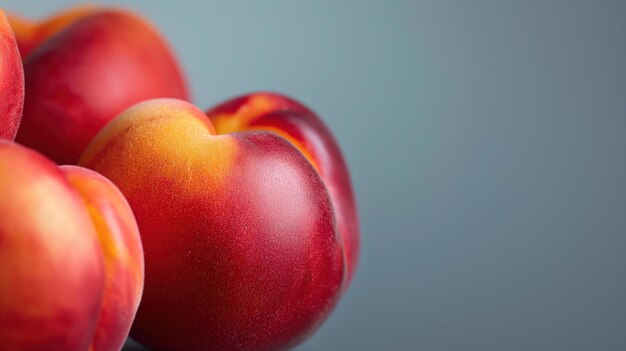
point(11, 82)
point(305, 130)
point(30, 34)
point(51, 267)
point(87, 71)
point(71, 261)
point(241, 246)
point(122, 252)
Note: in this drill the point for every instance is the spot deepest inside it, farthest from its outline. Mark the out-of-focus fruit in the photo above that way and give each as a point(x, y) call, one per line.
point(71, 263)
point(240, 234)
point(82, 68)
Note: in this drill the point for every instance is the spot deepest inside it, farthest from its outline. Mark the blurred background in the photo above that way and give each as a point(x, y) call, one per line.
point(486, 141)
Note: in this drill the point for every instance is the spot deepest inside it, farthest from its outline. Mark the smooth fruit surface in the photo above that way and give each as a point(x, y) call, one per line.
point(92, 66)
point(51, 268)
point(305, 130)
point(240, 238)
point(71, 261)
point(30, 34)
point(122, 251)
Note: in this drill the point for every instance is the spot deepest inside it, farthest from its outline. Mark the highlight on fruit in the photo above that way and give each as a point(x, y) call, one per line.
point(126, 210)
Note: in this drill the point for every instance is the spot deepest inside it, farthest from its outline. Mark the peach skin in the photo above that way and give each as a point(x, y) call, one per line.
point(71, 262)
point(123, 255)
point(51, 266)
point(306, 131)
point(30, 34)
point(11, 82)
point(241, 243)
point(85, 68)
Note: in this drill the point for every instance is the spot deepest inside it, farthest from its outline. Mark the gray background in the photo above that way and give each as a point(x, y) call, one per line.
point(486, 141)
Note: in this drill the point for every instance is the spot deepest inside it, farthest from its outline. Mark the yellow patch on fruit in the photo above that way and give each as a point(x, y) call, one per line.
point(23, 28)
point(254, 107)
point(166, 133)
point(62, 20)
point(110, 219)
point(296, 143)
point(38, 203)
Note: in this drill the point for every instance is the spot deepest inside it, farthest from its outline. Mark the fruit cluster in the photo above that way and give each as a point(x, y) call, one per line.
point(231, 229)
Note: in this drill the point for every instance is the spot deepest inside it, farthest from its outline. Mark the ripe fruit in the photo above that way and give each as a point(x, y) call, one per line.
point(306, 131)
point(30, 34)
point(123, 255)
point(86, 67)
point(71, 264)
point(241, 239)
point(11, 82)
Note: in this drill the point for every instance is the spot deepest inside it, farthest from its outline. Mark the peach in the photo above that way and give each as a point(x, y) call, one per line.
point(241, 243)
point(51, 270)
point(11, 82)
point(30, 34)
point(71, 264)
point(87, 66)
point(122, 251)
point(306, 131)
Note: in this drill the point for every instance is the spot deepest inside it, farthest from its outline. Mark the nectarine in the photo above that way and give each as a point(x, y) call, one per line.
point(71, 263)
point(85, 68)
point(122, 251)
point(30, 34)
point(306, 131)
point(241, 242)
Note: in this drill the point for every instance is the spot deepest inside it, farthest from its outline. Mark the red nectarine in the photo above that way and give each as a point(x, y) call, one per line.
point(241, 242)
point(71, 263)
point(306, 131)
point(86, 68)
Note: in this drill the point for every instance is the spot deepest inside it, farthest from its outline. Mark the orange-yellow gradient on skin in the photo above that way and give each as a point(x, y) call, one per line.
point(169, 126)
point(51, 265)
point(306, 131)
point(30, 34)
point(123, 255)
point(71, 260)
point(11, 82)
point(240, 239)
point(88, 66)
